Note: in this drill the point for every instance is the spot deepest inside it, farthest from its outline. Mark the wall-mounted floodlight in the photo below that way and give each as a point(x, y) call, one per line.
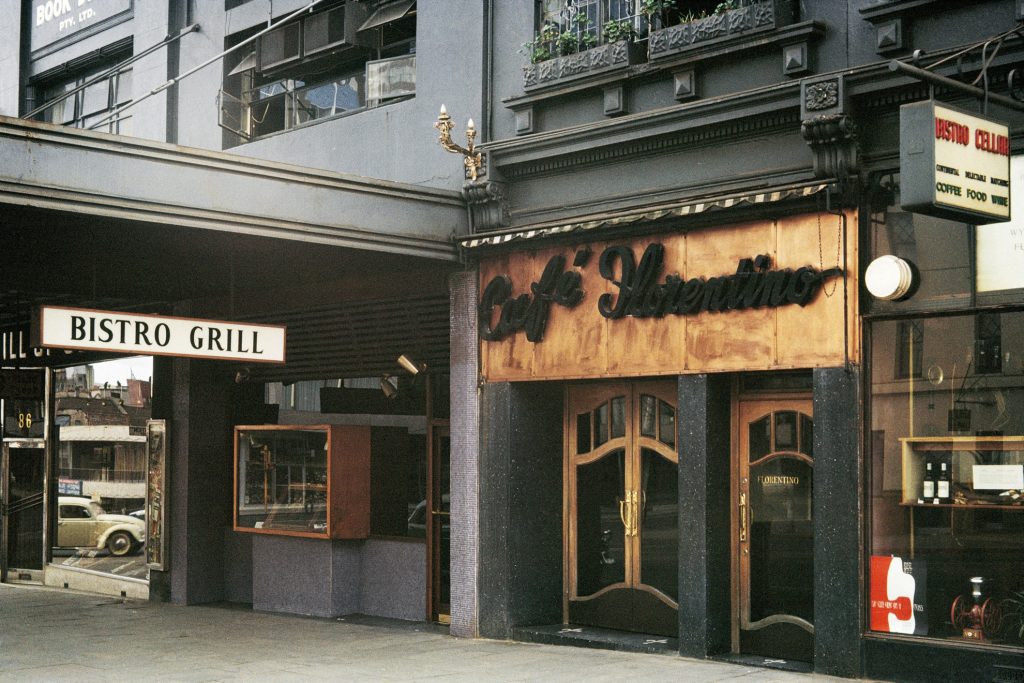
point(411, 366)
point(389, 385)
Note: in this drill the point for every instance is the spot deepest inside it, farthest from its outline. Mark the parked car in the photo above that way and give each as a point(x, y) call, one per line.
point(138, 514)
point(82, 523)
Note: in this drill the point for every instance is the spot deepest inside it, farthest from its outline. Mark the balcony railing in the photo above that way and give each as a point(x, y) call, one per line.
point(103, 474)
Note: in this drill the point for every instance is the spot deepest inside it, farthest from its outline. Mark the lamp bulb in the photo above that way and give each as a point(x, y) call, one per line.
point(444, 110)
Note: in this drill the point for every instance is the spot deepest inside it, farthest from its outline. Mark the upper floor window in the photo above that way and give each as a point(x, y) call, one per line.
point(90, 106)
point(343, 58)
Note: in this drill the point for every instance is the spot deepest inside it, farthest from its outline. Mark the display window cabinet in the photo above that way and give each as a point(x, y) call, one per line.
point(303, 480)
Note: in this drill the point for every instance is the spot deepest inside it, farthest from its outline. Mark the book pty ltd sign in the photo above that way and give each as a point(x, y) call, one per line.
point(54, 20)
point(157, 335)
point(954, 165)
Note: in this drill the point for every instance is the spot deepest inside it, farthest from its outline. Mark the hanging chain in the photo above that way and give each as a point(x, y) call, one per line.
point(839, 248)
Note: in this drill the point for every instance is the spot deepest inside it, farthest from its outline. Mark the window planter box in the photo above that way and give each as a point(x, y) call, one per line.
point(601, 59)
point(760, 16)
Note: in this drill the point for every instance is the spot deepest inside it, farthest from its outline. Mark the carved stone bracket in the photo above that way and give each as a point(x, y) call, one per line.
point(488, 204)
point(833, 139)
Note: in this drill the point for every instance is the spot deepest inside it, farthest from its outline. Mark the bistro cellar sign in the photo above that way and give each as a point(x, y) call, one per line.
point(640, 292)
point(953, 165)
point(158, 335)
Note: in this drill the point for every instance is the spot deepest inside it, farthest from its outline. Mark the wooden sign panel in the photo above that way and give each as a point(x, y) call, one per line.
point(669, 329)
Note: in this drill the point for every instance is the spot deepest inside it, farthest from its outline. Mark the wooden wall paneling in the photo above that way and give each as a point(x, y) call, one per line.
point(813, 336)
point(350, 481)
point(576, 343)
point(649, 346)
point(732, 340)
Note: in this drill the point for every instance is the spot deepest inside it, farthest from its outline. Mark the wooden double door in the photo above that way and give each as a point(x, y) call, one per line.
point(621, 499)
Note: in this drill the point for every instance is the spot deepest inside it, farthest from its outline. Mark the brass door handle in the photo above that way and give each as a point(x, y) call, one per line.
point(743, 517)
point(628, 512)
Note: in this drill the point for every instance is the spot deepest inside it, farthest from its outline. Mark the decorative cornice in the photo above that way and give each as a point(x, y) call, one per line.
point(689, 138)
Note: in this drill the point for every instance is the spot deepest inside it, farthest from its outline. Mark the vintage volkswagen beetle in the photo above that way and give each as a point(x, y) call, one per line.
point(82, 523)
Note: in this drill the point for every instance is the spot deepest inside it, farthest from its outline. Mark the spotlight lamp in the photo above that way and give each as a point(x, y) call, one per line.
point(389, 385)
point(411, 366)
point(472, 159)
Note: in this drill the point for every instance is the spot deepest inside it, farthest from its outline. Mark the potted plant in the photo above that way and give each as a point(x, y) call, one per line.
point(728, 18)
point(565, 53)
point(1013, 616)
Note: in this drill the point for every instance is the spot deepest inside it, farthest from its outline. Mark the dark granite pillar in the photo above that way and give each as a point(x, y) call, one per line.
point(200, 464)
point(837, 525)
point(520, 573)
point(704, 545)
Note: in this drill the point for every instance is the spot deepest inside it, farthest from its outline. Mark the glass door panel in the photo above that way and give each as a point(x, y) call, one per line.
point(24, 518)
point(600, 541)
point(781, 547)
point(659, 526)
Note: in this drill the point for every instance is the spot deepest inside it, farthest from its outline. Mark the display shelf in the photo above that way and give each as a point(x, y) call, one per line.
point(1002, 456)
point(303, 480)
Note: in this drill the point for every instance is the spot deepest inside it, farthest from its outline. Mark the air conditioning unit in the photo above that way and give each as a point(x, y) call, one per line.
point(279, 47)
point(312, 36)
point(387, 79)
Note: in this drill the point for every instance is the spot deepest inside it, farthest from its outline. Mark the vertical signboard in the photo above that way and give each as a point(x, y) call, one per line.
point(156, 494)
point(953, 164)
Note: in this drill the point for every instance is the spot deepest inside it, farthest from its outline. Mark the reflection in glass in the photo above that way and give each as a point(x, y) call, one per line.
point(760, 438)
point(648, 408)
point(618, 417)
point(806, 435)
point(667, 427)
point(601, 425)
point(100, 411)
point(785, 430)
point(781, 545)
point(25, 508)
point(282, 480)
point(659, 523)
point(600, 538)
point(583, 433)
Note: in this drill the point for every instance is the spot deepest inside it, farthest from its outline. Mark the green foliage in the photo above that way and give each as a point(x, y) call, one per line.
point(538, 49)
point(614, 31)
point(1013, 613)
point(656, 7)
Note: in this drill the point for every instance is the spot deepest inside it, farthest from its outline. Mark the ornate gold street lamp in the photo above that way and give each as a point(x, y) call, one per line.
point(472, 159)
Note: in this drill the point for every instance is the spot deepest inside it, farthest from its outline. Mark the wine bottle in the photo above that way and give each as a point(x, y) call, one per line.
point(928, 484)
point(942, 484)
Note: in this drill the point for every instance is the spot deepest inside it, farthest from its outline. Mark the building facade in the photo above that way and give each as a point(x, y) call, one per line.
point(651, 395)
point(700, 419)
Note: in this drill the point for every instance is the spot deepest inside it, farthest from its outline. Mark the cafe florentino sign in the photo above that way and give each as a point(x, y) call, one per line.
point(700, 302)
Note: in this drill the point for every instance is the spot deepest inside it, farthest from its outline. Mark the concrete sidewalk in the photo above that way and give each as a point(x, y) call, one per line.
point(56, 635)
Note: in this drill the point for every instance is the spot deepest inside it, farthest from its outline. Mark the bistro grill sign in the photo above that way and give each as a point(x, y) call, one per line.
point(954, 165)
point(91, 330)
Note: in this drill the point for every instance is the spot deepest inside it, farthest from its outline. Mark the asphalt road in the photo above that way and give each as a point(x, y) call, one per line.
point(130, 566)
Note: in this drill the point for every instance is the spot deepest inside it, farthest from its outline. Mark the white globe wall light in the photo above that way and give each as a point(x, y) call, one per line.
point(888, 278)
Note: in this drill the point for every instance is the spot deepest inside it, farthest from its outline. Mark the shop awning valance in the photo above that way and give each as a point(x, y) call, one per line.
point(653, 213)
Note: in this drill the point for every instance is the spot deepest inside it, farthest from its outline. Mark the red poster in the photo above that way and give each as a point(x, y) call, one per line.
point(897, 595)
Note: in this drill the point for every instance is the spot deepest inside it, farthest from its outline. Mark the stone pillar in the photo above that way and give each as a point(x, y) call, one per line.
point(465, 454)
point(520, 575)
point(837, 521)
point(200, 472)
point(703, 433)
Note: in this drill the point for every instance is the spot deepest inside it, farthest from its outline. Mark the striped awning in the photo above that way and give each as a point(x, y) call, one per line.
point(654, 213)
